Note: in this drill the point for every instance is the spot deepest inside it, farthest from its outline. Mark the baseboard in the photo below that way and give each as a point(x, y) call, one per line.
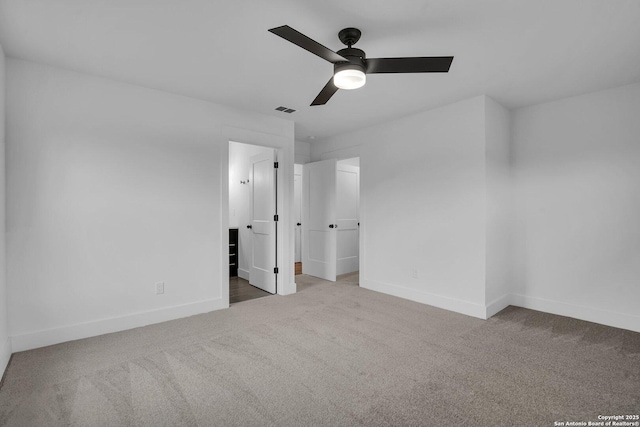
point(590, 314)
point(347, 266)
point(452, 304)
point(243, 274)
point(47, 337)
point(497, 305)
point(5, 355)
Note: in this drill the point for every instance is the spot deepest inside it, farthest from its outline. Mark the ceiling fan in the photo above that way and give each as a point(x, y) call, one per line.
point(351, 64)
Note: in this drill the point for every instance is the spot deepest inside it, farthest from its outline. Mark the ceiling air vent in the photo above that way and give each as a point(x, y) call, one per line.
point(285, 109)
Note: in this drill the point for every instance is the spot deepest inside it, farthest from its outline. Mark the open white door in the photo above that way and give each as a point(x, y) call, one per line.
point(263, 227)
point(347, 217)
point(319, 220)
point(297, 214)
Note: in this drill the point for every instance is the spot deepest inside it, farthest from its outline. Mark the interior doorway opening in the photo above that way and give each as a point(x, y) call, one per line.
point(297, 217)
point(348, 216)
point(252, 222)
point(330, 211)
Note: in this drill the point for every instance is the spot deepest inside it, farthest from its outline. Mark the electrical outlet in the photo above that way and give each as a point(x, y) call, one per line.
point(414, 273)
point(159, 288)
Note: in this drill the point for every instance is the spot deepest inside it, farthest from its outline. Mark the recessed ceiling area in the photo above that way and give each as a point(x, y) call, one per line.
point(518, 52)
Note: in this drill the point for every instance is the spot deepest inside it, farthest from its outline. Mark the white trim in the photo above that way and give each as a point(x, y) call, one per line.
point(243, 274)
point(224, 222)
point(590, 314)
point(447, 303)
point(5, 355)
point(31, 340)
point(342, 153)
point(497, 305)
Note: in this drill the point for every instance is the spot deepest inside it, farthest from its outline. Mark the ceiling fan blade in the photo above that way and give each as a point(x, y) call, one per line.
point(424, 64)
point(296, 37)
point(326, 93)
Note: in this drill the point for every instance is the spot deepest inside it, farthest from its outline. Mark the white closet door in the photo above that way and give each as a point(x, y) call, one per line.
point(297, 215)
point(319, 220)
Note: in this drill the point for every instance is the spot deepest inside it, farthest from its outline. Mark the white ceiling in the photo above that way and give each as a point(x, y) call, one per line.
point(520, 52)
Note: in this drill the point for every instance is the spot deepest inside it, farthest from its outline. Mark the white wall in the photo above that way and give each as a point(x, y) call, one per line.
point(556, 224)
point(240, 199)
point(422, 204)
point(112, 188)
point(302, 152)
point(499, 207)
point(577, 186)
point(5, 342)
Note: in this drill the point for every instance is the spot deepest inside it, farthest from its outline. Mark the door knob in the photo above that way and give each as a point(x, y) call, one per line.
point(330, 225)
point(249, 226)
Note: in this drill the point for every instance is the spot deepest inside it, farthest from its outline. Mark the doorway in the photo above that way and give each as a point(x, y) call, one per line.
point(297, 216)
point(252, 222)
point(331, 218)
point(348, 216)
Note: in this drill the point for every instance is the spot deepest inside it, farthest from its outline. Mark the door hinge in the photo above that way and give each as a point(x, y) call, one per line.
point(275, 165)
point(275, 270)
point(275, 218)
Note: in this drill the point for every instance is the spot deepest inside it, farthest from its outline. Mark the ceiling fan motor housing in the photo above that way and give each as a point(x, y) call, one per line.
point(356, 59)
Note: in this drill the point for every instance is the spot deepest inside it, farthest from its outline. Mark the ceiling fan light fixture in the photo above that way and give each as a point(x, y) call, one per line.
point(349, 76)
point(351, 64)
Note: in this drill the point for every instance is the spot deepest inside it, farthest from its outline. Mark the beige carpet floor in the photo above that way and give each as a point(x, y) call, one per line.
point(332, 354)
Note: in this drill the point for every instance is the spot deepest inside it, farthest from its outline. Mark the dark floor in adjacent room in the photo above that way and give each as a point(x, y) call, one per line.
point(240, 290)
point(331, 354)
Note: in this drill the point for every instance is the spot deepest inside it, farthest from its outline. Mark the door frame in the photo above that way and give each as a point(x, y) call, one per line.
point(285, 238)
point(349, 153)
